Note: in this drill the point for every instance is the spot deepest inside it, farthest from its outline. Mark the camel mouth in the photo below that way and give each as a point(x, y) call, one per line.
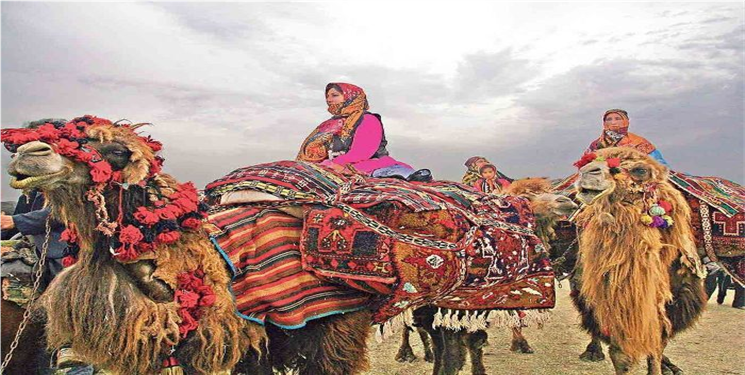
point(23, 181)
point(589, 196)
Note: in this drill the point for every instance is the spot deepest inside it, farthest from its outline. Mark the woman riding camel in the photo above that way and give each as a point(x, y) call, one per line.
point(616, 134)
point(353, 138)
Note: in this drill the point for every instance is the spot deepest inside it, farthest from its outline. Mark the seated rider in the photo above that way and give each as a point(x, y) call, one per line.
point(490, 182)
point(616, 134)
point(473, 173)
point(354, 139)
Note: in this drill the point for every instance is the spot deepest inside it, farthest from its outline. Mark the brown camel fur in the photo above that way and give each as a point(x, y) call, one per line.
point(640, 285)
point(122, 316)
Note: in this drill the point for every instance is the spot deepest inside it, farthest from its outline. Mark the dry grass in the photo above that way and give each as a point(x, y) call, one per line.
point(715, 346)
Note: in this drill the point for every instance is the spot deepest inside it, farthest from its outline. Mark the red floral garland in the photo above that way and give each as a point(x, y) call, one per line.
point(69, 140)
point(183, 208)
point(193, 296)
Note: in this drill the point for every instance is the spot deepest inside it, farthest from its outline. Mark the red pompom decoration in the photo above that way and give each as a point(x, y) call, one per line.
point(69, 261)
point(666, 206)
point(130, 235)
point(101, 171)
point(168, 237)
point(613, 162)
point(191, 223)
point(586, 159)
point(145, 216)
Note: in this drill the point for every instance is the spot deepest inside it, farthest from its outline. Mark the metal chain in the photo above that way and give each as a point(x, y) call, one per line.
point(37, 284)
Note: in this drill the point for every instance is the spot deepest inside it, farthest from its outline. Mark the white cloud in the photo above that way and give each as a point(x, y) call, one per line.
point(233, 84)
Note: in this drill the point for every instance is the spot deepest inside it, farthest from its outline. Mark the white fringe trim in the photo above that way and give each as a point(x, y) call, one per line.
point(394, 326)
point(474, 320)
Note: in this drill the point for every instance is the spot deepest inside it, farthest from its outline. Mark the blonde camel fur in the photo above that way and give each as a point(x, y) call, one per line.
point(122, 316)
point(640, 285)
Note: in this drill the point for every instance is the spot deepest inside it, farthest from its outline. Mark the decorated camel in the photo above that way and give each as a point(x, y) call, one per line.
point(147, 283)
point(717, 209)
point(640, 279)
point(365, 251)
point(548, 209)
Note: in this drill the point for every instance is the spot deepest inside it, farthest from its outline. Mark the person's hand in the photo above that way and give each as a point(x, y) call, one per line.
point(6, 222)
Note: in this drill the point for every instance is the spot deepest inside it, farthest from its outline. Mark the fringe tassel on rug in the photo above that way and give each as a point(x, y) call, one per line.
point(394, 325)
point(476, 320)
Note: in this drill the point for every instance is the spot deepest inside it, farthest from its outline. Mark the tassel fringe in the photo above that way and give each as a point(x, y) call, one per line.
point(473, 320)
point(394, 326)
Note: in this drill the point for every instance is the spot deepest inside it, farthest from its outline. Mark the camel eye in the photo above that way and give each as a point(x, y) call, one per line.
point(639, 172)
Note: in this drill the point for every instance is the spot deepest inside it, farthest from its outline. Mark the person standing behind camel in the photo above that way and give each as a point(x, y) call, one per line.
point(616, 134)
point(353, 139)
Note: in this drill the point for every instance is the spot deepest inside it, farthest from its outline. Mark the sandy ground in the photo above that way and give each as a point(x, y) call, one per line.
point(715, 346)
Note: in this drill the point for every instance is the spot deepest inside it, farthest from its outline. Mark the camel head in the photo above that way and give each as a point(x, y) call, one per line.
point(83, 152)
point(618, 174)
point(103, 178)
point(545, 204)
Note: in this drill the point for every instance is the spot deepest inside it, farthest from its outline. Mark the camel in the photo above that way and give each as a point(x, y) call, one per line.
point(641, 278)
point(143, 262)
point(128, 305)
point(548, 208)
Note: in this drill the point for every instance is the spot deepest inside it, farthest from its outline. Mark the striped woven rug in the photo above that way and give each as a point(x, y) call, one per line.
point(269, 284)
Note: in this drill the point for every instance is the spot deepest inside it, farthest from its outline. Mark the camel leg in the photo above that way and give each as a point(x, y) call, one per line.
point(668, 368)
point(335, 345)
point(476, 342)
point(405, 353)
point(654, 363)
point(593, 352)
point(451, 350)
point(427, 343)
point(621, 362)
point(519, 343)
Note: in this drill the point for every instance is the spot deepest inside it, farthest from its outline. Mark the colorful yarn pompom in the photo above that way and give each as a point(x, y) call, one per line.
point(646, 219)
point(668, 220)
point(658, 222)
point(656, 210)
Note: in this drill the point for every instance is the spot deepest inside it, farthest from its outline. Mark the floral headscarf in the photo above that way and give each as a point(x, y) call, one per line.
point(615, 134)
point(316, 146)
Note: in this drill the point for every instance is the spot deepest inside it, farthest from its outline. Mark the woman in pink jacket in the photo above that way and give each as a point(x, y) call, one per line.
point(353, 138)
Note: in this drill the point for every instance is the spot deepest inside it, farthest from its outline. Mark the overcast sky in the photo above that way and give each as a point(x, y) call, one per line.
point(232, 84)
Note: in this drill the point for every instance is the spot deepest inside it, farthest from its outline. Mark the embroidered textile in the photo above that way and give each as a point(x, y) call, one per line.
point(724, 195)
point(409, 243)
point(721, 237)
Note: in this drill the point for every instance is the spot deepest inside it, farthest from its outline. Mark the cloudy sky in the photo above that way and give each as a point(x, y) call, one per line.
point(235, 84)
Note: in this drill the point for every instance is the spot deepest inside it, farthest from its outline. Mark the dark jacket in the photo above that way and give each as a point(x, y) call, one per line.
point(30, 219)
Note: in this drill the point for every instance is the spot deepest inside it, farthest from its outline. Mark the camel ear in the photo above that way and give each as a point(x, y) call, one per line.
point(680, 235)
point(139, 162)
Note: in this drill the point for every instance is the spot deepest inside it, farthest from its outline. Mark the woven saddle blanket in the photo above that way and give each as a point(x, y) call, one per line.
point(405, 244)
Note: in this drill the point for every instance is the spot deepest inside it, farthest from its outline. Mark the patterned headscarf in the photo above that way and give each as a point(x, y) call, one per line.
point(316, 146)
point(620, 137)
point(614, 135)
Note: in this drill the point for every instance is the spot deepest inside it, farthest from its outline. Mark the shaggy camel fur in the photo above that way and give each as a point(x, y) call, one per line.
point(122, 316)
point(639, 285)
